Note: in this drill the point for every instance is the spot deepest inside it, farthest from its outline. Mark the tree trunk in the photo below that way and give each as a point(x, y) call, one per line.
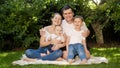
point(98, 32)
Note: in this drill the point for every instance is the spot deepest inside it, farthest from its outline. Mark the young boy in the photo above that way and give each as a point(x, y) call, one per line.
point(76, 43)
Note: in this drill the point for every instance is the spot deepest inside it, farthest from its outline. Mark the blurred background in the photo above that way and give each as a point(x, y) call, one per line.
point(20, 21)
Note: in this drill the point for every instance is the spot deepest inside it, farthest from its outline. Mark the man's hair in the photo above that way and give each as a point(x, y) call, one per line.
point(80, 17)
point(65, 8)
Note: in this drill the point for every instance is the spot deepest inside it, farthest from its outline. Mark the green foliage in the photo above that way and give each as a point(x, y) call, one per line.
point(20, 20)
point(105, 13)
point(19, 23)
point(115, 14)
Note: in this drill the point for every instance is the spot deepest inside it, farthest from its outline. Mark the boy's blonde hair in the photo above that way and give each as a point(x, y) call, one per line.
point(80, 17)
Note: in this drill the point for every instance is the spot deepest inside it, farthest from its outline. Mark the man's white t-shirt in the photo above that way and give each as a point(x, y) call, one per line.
point(67, 27)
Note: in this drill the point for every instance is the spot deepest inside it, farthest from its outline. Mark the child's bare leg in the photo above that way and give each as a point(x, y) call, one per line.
point(42, 54)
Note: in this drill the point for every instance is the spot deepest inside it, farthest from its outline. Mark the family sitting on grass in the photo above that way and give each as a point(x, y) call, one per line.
point(62, 40)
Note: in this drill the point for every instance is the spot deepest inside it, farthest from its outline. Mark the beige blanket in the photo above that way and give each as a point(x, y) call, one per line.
point(92, 60)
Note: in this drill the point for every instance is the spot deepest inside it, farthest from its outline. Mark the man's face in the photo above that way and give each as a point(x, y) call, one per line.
point(68, 14)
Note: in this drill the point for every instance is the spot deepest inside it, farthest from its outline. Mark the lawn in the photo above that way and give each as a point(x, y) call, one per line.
point(112, 54)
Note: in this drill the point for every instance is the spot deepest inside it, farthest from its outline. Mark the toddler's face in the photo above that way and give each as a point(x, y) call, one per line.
point(77, 22)
point(56, 20)
point(58, 30)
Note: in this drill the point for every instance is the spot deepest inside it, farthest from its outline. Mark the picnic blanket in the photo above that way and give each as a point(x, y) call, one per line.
point(92, 60)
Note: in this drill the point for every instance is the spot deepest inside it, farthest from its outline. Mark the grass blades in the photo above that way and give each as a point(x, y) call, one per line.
point(112, 54)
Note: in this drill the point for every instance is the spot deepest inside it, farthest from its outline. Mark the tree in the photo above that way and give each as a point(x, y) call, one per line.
point(100, 14)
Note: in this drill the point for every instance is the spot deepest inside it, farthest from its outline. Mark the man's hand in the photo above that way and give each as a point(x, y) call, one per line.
point(85, 33)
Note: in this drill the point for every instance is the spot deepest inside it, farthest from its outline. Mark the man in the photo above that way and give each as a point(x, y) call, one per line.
point(67, 25)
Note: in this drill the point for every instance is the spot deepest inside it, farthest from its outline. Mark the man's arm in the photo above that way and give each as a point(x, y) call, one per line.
point(86, 33)
point(85, 29)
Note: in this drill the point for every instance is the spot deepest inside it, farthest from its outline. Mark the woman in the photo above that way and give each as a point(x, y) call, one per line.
point(45, 43)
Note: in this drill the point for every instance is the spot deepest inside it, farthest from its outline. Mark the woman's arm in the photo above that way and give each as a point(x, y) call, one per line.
point(43, 42)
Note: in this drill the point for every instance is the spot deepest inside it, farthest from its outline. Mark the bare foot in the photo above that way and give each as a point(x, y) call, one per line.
point(84, 61)
point(59, 59)
point(29, 60)
point(71, 61)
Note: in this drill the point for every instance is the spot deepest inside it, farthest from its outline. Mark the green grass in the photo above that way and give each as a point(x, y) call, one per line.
point(112, 54)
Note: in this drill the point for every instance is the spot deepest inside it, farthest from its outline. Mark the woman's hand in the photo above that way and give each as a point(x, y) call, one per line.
point(42, 32)
point(55, 47)
point(65, 54)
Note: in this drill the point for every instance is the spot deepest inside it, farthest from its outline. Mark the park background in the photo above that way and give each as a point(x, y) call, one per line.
point(20, 21)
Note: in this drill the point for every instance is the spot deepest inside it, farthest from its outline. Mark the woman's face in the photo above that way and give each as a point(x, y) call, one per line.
point(56, 20)
point(68, 15)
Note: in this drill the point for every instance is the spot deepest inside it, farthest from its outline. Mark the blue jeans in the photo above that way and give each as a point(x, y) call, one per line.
point(50, 48)
point(76, 49)
point(31, 53)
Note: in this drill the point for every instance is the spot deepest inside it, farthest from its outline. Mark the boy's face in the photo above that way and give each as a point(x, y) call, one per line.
point(56, 20)
point(68, 14)
point(77, 22)
point(58, 30)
